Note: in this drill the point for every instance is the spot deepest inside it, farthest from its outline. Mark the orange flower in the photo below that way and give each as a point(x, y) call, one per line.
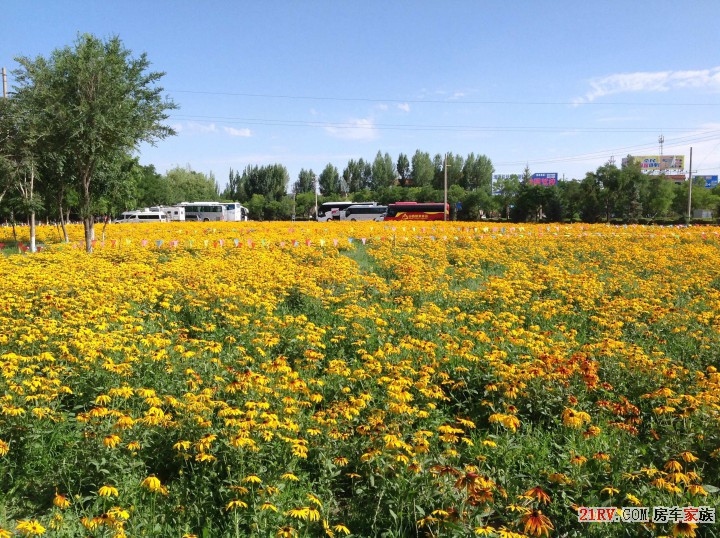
point(538, 493)
point(537, 524)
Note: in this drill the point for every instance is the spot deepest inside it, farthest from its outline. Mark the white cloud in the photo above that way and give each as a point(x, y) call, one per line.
point(237, 132)
point(646, 81)
point(354, 129)
point(191, 127)
point(405, 107)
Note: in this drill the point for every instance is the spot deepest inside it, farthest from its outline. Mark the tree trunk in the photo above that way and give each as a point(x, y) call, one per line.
point(89, 233)
point(33, 247)
point(66, 239)
point(87, 216)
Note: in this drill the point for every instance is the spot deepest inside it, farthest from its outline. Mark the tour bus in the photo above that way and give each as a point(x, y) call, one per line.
point(417, 211)
point(142, 215)
point(331, 210)
point(364, 212)
point(236, 212)
point(204, 211)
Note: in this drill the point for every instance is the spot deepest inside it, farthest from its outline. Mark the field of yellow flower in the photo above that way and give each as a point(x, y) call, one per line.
point(286, 379)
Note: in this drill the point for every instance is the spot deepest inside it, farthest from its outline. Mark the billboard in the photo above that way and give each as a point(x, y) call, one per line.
point(547, 179)
point(710, 181)
point(657, 163)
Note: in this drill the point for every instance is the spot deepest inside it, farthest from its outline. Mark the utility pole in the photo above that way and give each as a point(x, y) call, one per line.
point(690, 189)
point(445, 211)
point(315, 185)
point(4, 75)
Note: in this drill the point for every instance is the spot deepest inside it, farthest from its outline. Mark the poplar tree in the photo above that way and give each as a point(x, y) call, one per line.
point(96, 101)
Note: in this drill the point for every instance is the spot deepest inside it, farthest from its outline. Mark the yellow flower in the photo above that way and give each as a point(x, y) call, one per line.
point(252, 479)
point(688, 457)
point(4, 448)
point(684, 529)
point(111, 441)
point(341, 528)
point(108, 491)
point(30, 528)
point(236, 503)
point(152, 484)
point(574, 419)
point(298, 513)
point(610, 490)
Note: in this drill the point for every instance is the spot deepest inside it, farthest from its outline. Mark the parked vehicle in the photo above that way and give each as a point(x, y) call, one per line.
point(417, 211)
point(364, 212)
point(144, 215)
point(236, 212)
point(331, 210)
point(205, 211)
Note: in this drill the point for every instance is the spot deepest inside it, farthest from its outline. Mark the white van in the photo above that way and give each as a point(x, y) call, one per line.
point(142, 216)
point(364, 212)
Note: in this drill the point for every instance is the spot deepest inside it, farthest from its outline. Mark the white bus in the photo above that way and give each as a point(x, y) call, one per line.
point(204, 211)
point(235, 212)
point(331, 210)
point(364, 212)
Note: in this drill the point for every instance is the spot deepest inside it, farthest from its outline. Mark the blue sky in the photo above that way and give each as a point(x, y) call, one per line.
point(560, 86)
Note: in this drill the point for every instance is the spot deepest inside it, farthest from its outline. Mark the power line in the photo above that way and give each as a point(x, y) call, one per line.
point(429, 127)
point(438, 101)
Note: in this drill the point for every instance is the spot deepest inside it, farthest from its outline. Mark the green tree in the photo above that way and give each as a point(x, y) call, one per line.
point(187, 185)
point(593, 203)
point(506, 190)
point(660, 195)
point(269, 181)
point(256, 207)
point(383, 171)
point(477, 173)
point(329, 181)
point(571, 197)
point(455, 165)
point(306, 182)
point(305, 204)
point(353, 175)
point(235, 189)
point(97, 101)
point(423, 171)
point(21, 118)
point(152, 188)
point(403, 170)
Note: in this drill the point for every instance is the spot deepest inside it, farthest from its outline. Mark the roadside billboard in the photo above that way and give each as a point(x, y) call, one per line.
point(547, 179)
point(710, 181)
point(657, 163)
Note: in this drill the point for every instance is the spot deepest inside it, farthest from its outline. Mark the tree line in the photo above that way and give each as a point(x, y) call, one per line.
point(70, 129)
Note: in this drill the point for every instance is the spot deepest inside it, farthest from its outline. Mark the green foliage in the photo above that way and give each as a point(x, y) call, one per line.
point(97, 102)
point(187, 185)
point(306, 182)
point(329, 181)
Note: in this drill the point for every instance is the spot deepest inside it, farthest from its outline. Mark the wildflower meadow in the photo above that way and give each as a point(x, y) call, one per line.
point(344, 379)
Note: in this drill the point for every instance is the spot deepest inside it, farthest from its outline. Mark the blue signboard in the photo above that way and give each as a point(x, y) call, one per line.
point(710, 181)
